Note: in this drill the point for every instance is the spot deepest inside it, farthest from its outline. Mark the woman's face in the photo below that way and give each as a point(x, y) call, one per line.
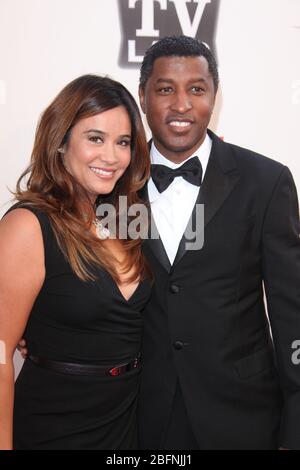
point(98, 151)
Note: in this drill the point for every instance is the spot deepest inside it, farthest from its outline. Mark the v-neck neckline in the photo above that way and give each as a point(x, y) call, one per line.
point(121, 294)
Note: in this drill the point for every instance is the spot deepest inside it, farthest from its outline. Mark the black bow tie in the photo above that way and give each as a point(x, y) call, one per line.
point(163, 176)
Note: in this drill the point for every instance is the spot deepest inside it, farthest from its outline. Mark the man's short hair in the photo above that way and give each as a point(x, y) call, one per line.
point(178, 46)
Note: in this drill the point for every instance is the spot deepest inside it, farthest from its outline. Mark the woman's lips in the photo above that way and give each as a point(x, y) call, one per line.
point(105, 174)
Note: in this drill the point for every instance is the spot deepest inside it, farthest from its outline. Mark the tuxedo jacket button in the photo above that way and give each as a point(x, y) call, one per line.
point(178, 345)
point(174, 289)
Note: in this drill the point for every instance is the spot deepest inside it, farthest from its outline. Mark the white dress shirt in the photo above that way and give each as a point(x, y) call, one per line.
point(173, 207)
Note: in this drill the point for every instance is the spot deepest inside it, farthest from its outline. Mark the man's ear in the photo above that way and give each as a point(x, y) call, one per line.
point(142, 98)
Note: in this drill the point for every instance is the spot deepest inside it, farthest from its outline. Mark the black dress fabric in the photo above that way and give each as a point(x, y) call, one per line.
point(87, 323)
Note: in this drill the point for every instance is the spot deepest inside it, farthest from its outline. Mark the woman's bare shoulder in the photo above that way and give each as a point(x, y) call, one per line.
point(20, 229)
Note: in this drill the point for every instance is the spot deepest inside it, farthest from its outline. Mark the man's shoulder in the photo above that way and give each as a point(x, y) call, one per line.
point(244, 157)
point(254, 167)
point(250, 159)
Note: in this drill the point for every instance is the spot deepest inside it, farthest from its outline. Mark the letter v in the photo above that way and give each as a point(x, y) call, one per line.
point(188, 27)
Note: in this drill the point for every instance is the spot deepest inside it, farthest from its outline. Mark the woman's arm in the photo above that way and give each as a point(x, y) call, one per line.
point(22, 273)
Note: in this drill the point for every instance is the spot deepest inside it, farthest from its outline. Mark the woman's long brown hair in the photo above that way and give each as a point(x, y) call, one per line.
point(52, 189)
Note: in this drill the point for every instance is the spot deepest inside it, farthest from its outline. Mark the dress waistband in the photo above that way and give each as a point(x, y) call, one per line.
point(86, 369)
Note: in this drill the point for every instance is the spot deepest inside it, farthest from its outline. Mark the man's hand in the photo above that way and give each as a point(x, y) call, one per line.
point(22, 348)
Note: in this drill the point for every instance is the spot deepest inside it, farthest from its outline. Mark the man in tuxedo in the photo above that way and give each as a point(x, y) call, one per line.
point(213, 377)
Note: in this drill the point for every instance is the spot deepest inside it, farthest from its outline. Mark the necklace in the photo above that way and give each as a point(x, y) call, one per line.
point(102, 232)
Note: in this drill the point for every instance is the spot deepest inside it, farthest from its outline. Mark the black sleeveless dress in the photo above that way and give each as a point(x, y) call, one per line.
point(83, 323)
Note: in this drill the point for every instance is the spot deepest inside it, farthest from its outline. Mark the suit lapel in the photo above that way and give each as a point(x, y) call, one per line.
point(154, 244)
point(220, 178)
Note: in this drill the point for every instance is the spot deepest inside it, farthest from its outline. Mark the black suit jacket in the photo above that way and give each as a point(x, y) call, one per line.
point(206, 323)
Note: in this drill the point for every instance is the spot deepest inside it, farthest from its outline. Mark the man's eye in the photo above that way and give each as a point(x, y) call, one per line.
point(165, 90)
point(95, 139)
point(197, 90)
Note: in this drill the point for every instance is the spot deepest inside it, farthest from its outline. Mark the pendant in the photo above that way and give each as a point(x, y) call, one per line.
point(102, 232)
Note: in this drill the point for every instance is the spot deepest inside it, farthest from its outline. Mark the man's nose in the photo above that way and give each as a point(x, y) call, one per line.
point(181, 103)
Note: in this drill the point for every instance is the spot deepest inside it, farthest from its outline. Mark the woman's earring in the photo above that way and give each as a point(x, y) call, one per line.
point(60, 150)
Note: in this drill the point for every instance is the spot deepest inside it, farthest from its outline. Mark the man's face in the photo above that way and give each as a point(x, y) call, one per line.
point(178, 101)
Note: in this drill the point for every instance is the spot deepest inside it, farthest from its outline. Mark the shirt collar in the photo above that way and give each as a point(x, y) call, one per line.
point(202, 153)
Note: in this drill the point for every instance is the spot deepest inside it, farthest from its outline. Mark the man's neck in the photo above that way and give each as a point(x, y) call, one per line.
point(160, 158)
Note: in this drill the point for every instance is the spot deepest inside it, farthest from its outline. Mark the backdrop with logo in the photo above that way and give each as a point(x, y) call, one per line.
point(46, 43)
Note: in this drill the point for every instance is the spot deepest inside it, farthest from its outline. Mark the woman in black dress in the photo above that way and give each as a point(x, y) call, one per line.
point(71, 288)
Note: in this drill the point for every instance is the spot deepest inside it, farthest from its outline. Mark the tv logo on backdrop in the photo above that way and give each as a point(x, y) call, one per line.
point(144, 22)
